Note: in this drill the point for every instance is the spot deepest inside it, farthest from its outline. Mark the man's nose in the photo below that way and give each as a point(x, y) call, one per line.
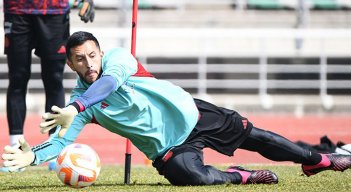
point(89, 63)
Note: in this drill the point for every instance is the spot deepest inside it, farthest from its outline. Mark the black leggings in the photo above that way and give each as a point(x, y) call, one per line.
point(46, 34)
point(277, 148)
point(19, 74)
point(186, 166)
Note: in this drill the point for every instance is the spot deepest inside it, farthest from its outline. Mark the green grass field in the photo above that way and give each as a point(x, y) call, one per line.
point(145, 178)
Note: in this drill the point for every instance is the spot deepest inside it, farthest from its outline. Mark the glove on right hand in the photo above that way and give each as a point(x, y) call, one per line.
point(87, 11)
point(61, 116)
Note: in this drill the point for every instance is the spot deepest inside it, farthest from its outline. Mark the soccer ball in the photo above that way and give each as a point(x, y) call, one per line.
point(78, 165)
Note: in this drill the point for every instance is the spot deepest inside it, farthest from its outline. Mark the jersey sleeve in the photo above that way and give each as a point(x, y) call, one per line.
point(97, 92)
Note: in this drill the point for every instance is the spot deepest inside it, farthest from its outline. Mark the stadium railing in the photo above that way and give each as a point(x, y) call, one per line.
point(244, 4)
point(260, 62)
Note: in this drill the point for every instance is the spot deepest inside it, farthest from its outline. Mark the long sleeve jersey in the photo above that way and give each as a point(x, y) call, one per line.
point(36, 7)
point(154, 114)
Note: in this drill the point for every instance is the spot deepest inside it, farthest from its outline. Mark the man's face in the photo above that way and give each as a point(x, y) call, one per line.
point(86, 60)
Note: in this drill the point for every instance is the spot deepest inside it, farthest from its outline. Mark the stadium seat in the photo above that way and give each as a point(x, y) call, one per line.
point(280, 4)
point(143, 4)
point(325, 4)
point(263, 4)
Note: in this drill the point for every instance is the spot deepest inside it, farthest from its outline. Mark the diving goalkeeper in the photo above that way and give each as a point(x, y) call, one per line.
point(162, 120)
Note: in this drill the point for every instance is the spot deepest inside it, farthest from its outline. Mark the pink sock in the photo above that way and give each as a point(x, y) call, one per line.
point(244, 174)
point(325, 162)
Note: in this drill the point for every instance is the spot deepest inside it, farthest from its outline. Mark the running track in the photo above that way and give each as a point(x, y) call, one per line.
point(111, 147)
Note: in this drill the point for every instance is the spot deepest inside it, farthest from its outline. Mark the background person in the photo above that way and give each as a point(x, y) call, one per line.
point(43, 26)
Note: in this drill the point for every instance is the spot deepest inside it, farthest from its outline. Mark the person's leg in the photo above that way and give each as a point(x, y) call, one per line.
point(222, 130)
point(52, 32)
point(278, 148)
point(187, 168)
point(52, 76)
point(18, 36)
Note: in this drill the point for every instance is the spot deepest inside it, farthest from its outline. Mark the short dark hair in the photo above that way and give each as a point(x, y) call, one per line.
point(78, 38)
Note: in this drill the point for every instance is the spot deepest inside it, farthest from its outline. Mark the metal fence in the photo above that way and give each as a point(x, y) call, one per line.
point(275, 65)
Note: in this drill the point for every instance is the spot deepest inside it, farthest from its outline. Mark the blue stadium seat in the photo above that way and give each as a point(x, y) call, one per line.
point(280, 4)
point(263, 4)
point(325, 4)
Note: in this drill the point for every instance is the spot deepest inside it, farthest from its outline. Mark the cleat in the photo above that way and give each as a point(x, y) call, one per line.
point(336, 162)
point(254, 176)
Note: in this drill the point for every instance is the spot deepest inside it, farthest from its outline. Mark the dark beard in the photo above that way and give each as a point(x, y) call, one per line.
point(82, 77)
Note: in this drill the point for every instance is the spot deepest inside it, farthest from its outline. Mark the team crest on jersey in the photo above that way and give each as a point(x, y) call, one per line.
point(104, 105)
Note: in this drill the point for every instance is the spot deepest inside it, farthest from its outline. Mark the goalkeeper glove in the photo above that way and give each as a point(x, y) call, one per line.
point(16, 158)
point(61, 116)
point(87, 9)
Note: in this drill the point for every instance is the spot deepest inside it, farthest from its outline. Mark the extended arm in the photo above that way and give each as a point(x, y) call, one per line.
point(97, 92)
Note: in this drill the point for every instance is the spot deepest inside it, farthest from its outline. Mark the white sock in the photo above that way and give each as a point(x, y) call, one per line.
point(14, 139)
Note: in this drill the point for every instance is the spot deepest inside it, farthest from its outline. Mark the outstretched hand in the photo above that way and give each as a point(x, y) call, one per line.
point(61, 116)
point(18, 157)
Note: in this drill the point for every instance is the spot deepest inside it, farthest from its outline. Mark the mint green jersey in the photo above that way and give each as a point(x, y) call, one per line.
point(154, 114)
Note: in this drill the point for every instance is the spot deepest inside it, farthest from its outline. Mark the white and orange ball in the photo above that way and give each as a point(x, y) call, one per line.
point(78, 165)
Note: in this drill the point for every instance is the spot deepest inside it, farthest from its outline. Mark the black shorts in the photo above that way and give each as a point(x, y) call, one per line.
point(218, 128)
point(47, 34)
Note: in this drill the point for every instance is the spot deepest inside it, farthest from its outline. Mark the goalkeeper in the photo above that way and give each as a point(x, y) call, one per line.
point(162, 120)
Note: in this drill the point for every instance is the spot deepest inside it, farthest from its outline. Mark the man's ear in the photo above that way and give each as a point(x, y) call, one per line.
point(102, 53)
point(70, 64)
